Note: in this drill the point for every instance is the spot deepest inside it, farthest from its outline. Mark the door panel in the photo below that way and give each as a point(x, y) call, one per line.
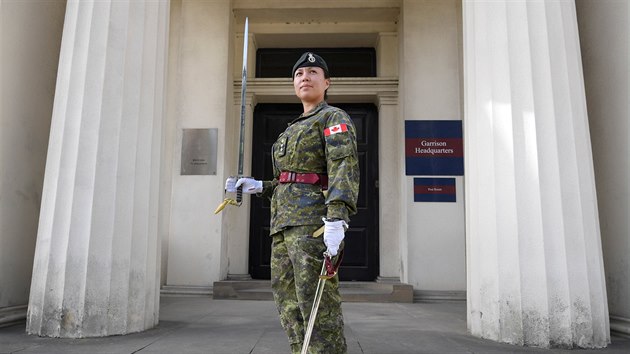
point(361, 242)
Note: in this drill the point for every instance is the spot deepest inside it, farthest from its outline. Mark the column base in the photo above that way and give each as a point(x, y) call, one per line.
point(388, 280)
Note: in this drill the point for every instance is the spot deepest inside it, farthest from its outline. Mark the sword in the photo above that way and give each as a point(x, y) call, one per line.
point(329, 270)
point(241, 144)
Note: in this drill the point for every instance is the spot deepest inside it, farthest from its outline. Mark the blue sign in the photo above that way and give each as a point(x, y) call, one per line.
point(434, 148)
point(434, 190)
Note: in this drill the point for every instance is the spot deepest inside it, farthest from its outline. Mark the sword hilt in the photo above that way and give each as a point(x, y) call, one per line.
point(239, 194)
point(331, 268)
point(229, 201)
point(239, 190)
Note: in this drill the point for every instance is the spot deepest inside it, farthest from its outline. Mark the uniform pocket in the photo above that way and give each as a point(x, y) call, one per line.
point(313, 247)
point(336, 152)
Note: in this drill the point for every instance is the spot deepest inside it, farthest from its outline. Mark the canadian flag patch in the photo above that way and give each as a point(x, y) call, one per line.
point(339, 128)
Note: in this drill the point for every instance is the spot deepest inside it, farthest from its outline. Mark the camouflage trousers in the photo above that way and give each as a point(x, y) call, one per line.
point(296, 262)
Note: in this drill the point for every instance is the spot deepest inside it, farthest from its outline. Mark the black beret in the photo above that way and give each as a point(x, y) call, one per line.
point(310, 59)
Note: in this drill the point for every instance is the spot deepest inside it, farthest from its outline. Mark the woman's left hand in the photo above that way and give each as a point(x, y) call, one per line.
point(334, 232)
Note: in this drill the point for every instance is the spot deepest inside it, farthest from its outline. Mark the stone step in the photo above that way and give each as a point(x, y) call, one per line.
point(179, 290)
point(12, 315)
point(350, 291)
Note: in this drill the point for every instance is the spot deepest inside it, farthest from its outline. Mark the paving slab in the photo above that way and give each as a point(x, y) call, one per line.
point(202, 325)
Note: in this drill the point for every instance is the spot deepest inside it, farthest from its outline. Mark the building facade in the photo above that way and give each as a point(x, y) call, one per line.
point(102, 100)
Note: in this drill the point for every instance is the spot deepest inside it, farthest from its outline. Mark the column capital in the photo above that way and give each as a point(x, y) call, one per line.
point(387, 99)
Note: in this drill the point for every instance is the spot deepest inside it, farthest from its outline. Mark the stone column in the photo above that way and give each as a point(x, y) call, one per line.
point(237, 220)
point(534, 257)
point(389, 189)
point(96, 269)
point(389, 170)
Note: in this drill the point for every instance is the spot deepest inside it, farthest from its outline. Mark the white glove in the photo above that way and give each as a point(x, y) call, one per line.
point(230, 184)
point(250, 185)
point(334, 232)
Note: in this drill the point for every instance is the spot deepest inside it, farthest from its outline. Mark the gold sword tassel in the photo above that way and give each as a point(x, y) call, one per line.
point(226, 202)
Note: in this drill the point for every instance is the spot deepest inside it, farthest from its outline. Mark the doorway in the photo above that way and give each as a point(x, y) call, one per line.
point(361, 258)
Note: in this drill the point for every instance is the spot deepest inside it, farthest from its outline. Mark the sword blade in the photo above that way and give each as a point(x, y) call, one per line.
point(241, 144)
point(241, 139)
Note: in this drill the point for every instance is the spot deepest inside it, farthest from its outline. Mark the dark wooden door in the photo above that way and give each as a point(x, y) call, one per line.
point(361, 242)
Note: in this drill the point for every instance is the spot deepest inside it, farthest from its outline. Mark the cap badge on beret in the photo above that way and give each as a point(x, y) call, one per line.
point(309, 59)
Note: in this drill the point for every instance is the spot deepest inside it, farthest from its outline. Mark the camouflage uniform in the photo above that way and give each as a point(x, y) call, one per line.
point(296, 212)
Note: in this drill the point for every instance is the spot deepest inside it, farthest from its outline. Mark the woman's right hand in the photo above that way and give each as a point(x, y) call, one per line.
point(250, 185)
point(230, 184)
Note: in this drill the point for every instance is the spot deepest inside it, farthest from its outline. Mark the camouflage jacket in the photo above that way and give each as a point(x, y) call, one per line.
point(320, 141)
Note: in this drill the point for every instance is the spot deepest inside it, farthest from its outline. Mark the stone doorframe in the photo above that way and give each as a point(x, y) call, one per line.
point(383, 92)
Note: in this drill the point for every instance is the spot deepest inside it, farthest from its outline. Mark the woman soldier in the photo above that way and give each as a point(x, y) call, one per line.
point(316, 178)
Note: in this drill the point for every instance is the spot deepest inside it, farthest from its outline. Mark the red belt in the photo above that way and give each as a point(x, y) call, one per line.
point(308, 178)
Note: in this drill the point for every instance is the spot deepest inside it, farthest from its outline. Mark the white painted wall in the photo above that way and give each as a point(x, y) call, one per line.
point(604, 36)
point(29, 54)
point(431, 90)
point(200, 91)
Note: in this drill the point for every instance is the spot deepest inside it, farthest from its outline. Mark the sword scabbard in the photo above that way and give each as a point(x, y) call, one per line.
point(321, 282)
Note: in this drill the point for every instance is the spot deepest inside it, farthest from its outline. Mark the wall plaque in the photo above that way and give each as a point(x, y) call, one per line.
point(199, 152)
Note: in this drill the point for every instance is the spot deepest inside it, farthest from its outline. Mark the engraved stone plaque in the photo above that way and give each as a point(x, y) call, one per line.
point(199, 152)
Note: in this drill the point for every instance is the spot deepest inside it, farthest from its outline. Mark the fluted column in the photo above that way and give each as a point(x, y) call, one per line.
point(96, 269)
point(535, 269)
point(389, 189)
